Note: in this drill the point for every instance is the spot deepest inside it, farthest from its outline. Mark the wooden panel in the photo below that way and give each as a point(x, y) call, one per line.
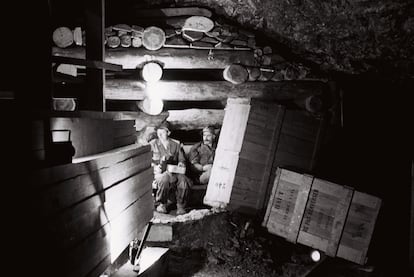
point(71, 191)
point(90, 215)
point(359, 227)
point(127, 140)
point(58, 173)
point(296, 146)
point(221, 178)
point(286, 159)
point(111, 239)
point(254, 152)
point(88, 136)
point(258, 135)
point(324, 216)
point(234, 126)
point(287, 203)
point(246, 168)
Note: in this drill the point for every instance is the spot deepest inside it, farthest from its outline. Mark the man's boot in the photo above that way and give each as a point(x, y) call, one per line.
point(180, 209)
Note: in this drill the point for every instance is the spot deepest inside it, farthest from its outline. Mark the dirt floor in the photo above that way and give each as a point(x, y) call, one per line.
point(232, 244)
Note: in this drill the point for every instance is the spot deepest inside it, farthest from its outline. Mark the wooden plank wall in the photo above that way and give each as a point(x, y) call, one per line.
point(256, 153)
point(95, 208)
point(88, 135)
point(275, 136)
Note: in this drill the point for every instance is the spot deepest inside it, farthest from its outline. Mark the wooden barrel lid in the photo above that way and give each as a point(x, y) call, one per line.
point(113, 41)
point(198, 24)
point(63, 37)
point(153, 38)
point(235, 74)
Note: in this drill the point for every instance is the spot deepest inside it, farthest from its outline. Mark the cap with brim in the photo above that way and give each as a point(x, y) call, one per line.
point(163, 126)
point(208, 129)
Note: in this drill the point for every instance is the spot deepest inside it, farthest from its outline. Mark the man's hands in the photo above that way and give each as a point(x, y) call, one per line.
point(181, 164)
point(157, 169)
point(207, 167)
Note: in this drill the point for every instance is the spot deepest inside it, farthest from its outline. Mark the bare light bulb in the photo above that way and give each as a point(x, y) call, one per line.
point(315, 256)
point(151, 72)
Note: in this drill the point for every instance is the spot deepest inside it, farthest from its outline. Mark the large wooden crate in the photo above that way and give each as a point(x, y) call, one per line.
point(287, 203)
point(359, 227)
point(324, 216)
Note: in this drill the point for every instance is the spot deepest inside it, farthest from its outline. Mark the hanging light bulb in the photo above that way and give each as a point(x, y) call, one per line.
point(151, 72)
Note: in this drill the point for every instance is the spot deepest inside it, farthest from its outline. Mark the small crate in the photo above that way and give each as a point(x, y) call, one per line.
point(359, 227)
point(287, 203)
point(324, 216)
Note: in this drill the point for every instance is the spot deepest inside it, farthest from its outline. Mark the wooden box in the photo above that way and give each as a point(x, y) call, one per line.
point(359, 227)
point(175, 169)
point(324, 216)
point(287, 203)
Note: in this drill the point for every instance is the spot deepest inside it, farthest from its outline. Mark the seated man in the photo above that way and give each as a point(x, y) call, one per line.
point(171, 186)
point(201, 156)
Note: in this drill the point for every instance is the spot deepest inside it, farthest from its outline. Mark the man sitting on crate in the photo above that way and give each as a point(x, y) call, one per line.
point(168, 161)
point(201, 156)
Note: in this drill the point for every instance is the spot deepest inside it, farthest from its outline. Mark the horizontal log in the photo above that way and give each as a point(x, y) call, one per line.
point(131, 58)
point(170, 12)
point(192, 119)
point(124, 89)
point(87, 63)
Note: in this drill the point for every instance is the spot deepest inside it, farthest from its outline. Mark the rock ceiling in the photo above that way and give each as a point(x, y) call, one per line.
point(345, 36)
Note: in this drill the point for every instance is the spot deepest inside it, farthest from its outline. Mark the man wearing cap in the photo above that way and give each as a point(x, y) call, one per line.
point(201, 156)
point(171, 186)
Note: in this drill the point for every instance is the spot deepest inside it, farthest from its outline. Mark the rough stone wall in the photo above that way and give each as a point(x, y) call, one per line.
point(350, 36)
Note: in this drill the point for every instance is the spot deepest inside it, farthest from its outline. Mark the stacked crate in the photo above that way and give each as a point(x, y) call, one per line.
point(329, 217)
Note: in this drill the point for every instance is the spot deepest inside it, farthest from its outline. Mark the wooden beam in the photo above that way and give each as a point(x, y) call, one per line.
point(170, 12)
point(193, 119)
point(123, 89)
point(131, 58)
point(95, 50)
point(87, 63)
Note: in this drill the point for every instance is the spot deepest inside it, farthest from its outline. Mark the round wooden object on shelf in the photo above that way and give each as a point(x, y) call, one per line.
point(198, 24)
point(125, 40)
point(113, 42)
point(136, 42)
point(63, 37)
point(235, 74)
point(153, 38)
point(254, 73)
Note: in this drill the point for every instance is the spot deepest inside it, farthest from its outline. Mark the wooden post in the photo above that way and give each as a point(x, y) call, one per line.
point(95, 50)
point(412, 219)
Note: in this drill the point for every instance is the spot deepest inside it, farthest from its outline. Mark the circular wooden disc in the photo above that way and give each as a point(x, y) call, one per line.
point(235, 74)
point(125, 41)
point(153, 38)
point(114, 41)
point(198, 24)
point(254, 73)
point(63, 37)
point(136, 42)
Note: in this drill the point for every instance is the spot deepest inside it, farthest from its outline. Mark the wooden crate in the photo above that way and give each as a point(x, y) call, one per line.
point(324, 216)
point(287, 203)
point(359, 227)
